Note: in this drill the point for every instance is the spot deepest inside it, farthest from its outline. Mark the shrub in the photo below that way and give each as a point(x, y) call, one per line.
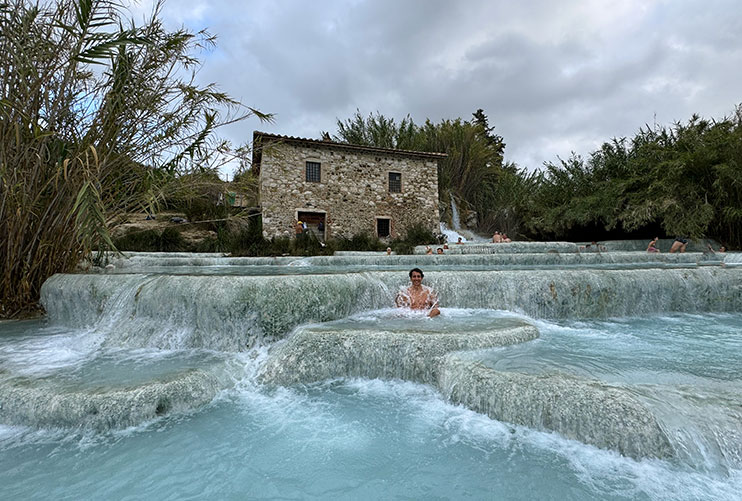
point(307, 244)
point(278, 246)
point(358, 242)
point(97, 117)
point(419, 235)
point(142, 241)
point(201, 209)
point(207, 245)
point(244, 237)
point(171, 241)
point(416, 235)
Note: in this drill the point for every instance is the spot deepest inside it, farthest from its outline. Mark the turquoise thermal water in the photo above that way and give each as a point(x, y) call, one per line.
point(214, 264)
point(143, 382)
point(371, 439)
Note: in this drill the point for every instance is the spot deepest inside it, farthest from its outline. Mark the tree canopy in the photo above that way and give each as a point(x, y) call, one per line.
point(685, 179)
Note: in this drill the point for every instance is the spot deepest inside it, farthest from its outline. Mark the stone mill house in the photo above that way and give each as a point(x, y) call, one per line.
point(340, 190)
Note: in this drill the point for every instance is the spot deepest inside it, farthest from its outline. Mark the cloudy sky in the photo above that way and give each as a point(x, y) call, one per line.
point(553, 76)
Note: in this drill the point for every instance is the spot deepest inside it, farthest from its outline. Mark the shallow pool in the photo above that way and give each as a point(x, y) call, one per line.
point(372, 439)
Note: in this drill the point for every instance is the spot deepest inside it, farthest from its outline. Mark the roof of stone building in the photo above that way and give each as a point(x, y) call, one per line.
point(335, 145)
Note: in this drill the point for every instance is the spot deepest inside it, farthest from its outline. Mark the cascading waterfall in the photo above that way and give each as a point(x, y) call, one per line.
point(529, 336)
point(663, 244)
point(731, 258)
point(670, 379)
point(509, 248)
point(584, 410)
point(232, 313)
point(464, 257)
point(453, 234)
point(455, 221)
point(45, 404)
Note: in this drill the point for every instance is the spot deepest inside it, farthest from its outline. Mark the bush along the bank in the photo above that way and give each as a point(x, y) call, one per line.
point(245, 238)
point(169, 240)
point(416, 235)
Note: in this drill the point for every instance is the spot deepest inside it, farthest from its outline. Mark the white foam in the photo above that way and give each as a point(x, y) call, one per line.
point(452, 236)
point(50, 349)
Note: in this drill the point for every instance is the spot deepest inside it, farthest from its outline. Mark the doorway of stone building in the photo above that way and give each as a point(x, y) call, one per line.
point(383, 227)
point(316, 223)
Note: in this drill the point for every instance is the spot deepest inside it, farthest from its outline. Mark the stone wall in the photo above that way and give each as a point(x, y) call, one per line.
point(353, 191)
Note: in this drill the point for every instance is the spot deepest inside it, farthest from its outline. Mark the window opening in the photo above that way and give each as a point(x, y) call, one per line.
point(395, 182)
point(313, 172)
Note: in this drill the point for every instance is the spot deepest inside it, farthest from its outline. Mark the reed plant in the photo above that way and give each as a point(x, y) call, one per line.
point(98, 116)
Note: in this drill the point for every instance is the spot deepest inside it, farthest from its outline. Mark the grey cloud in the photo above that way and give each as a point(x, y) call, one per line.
point(552, 77)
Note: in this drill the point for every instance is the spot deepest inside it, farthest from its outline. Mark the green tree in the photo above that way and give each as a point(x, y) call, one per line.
point(495, 141)
point(507, 200)
point(378, 130)
point(685, 179)
point(471, 164)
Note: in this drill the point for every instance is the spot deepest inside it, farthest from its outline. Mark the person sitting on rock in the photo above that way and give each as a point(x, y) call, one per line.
point(496, 238)
point(418, 296)
point(652, 247)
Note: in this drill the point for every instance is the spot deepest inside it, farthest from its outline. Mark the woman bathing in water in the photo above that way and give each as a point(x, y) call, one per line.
point(418, 296)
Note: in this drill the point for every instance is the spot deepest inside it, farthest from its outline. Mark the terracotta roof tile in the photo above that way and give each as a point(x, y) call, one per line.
point(346, 146)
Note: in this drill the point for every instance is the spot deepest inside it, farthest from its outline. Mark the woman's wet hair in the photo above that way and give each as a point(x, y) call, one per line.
point(413, 270)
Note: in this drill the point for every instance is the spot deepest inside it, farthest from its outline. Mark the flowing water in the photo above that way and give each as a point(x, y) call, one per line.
point(452, 234)
point(549, 375)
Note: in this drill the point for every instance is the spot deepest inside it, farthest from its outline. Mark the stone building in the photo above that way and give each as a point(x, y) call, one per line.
point(340, 190)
